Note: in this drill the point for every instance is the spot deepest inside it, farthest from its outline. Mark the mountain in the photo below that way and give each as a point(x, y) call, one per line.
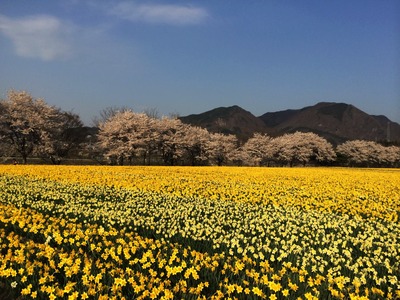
point(337, 122)
point(228, 120)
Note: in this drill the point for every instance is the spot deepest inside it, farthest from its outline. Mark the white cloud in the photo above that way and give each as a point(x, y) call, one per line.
point(160, 13)
point(43, 36)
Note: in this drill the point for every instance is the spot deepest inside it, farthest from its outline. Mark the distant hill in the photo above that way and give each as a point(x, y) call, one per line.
point(228, 120)
point(337, 122)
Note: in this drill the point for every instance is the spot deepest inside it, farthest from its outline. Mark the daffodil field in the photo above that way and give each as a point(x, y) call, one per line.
point(100, 232)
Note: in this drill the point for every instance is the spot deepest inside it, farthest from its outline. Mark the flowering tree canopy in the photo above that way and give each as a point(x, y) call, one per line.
point(127, 134)
point(257, 149)
point(359, 152)
point(32, 126)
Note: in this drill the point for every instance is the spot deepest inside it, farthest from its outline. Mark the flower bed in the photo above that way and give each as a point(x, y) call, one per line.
point(69, 232)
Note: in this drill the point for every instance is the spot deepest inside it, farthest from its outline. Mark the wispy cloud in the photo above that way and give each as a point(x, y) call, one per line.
point(160, 13)
point(44, 37)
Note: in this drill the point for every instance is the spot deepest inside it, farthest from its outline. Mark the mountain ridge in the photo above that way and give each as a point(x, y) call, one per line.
point(335, 121)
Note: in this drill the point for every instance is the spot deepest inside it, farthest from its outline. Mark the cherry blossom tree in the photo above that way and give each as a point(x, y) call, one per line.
point(31, 126)
point(107, 113)
point(257, 150)
point(368, 153)
point(61, 138)
point(390, 156)
point(194, 143)
point(221, 147)
point(170, 140)
point(355, 152)
point(126, 135)
point(301, 148)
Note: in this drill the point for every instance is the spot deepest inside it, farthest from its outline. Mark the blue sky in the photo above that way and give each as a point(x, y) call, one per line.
point(188, 57)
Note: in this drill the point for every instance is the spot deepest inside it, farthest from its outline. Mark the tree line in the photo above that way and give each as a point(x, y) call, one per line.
point(30, 127)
